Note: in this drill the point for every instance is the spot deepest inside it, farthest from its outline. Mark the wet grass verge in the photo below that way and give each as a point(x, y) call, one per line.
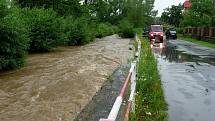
point(199, 42)
point(150, 102)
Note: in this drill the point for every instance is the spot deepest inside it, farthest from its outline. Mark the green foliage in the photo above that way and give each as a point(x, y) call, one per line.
point(139, 31)
point(44, 28)
point(104, 30)
point(78, 31)
point(3, 9)
point(200, 14)
point(179, 30)
point(14, 39)
point(140, 12)
point(173, 15)
point(150, 96)
point(38, 26)
point(126, 29)
point(62, 7)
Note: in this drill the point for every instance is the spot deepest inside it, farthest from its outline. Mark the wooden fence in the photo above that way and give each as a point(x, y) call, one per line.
point(201, 33)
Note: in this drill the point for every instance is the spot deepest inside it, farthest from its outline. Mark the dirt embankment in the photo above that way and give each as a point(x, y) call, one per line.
point(56, 86)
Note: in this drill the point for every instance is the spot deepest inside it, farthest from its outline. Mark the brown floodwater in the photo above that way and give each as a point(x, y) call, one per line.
point(56, 86)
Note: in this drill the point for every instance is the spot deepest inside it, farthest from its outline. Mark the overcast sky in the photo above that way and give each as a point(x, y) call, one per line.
point(162, 4)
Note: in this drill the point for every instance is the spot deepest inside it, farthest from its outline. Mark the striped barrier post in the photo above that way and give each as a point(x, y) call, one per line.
point(131, 102)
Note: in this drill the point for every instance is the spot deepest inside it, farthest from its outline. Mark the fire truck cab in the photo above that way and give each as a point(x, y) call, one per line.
point(156, 35)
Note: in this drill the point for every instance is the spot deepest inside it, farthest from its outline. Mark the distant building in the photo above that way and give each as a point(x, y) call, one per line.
point(187, 4)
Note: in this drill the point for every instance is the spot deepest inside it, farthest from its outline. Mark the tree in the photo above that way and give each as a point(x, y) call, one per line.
point(200, 14)
point(173, 15)
point(62, 7)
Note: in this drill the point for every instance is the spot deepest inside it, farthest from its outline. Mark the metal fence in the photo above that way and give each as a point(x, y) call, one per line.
point(131, 78)
point(202, 33)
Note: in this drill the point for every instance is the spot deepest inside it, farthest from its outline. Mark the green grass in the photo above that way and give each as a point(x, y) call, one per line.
point(199, 42)
point(150, 102)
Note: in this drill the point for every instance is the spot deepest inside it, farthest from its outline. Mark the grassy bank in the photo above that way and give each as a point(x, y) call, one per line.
point(150, 102)
point(199, 42)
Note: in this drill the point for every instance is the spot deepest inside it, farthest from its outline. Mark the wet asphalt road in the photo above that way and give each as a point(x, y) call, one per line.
point(188, 77)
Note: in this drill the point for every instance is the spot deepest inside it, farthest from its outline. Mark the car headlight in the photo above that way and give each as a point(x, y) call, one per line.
point(151, 34)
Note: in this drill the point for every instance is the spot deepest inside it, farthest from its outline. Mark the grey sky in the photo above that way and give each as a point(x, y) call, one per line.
point(162, 4)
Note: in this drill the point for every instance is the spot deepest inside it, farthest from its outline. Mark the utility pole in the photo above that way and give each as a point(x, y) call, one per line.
point(214, 3)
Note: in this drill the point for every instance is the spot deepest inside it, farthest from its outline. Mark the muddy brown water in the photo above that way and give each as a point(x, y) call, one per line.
point(55, 86)
point(188, 77)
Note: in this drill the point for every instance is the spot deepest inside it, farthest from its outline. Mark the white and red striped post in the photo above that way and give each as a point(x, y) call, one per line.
point(118, 102)
point(131, 102)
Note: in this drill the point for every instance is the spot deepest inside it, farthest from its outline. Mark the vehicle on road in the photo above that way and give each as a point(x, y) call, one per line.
point(156, 35)
point(171, 34)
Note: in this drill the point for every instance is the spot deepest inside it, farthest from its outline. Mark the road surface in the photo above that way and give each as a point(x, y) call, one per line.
point(56, 86)
point(188, 77)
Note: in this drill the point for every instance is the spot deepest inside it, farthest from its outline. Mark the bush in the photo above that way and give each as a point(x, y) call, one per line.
point(126, 29)
point(44, 28)
point(104, 30)
point(14, 39)
point(115, 29)
point(179, 30)
point(78, 31)
point(139, 31)
point(3, 9)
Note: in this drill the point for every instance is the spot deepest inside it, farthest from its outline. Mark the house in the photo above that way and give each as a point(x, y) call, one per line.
point(187, 4)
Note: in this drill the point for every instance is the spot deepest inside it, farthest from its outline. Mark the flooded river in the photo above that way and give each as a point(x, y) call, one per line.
point(188, 76)
point(56, 86)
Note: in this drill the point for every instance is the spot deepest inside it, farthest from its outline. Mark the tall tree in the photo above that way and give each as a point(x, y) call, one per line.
point(62, 7)
point(172, 15)
point(200, 14)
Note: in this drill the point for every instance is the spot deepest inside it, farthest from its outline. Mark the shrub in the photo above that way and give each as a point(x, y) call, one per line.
point(126, 29)
point(179, 30)
point(115, 29)
point(139, 31)
point(44, 28)
point(104, 30)
point(14, 39)
point(77, 31)
point(3, 9)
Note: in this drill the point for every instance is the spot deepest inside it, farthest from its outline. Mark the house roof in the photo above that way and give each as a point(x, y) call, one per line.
point(187, 4)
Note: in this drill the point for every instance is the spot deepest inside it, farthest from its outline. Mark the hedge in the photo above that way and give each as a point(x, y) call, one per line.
point(14, 40)
point(44, 28)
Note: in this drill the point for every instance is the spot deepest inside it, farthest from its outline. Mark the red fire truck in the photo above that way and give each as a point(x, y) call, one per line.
point(156, 35)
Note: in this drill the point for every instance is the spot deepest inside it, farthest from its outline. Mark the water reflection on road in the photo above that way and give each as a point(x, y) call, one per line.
point(188, 77)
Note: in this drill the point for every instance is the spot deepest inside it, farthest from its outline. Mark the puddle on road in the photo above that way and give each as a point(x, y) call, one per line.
point(173, 55)
point(56, 86)
point(189, 84)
